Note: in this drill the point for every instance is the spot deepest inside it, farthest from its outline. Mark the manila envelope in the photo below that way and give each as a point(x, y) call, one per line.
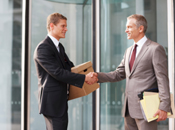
point(76, 92)
point(172, 103)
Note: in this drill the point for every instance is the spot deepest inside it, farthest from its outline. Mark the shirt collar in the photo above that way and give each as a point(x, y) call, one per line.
point(54, 40)
point(141, 41)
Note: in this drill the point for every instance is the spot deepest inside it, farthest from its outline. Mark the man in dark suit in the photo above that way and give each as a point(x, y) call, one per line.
point(54, 74)
point(144, 66)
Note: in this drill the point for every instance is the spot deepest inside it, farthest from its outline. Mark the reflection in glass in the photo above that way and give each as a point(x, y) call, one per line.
point(113, 45)
point(72, 1)
point(10, 77)
point(78, 47)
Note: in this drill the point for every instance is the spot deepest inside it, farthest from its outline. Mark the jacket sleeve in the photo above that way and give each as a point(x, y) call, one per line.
point(160, 65)
point(45, 57)
point(113, 76)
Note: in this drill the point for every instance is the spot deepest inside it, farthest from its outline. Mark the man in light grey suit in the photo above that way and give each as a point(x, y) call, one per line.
point(144, 66)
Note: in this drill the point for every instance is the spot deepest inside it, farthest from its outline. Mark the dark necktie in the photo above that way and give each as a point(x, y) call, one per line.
point(133, 57)
point(61, 53)
point(66, 64)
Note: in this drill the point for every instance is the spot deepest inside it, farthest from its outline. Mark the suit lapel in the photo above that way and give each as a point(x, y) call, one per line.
point(56, 51)
point(140, 55)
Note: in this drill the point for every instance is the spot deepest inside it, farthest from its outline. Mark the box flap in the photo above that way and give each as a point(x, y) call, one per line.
point(81, 67)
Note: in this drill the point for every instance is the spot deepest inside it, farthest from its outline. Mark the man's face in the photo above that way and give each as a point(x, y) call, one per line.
point(131, 29)
point(59, 30)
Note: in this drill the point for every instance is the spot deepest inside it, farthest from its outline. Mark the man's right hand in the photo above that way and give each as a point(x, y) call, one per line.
point(91, 78)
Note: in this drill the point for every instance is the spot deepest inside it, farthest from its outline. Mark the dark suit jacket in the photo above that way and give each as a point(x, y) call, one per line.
point(150, 70)
point(53, 76)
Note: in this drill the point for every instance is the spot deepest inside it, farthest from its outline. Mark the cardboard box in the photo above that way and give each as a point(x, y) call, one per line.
point(76, 92)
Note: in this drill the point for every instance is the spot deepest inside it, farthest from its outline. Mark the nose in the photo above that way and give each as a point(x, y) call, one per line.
point(126, 30)
point(66, 28)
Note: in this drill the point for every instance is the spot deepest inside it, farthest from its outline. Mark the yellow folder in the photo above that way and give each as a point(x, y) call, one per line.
point(150, 105)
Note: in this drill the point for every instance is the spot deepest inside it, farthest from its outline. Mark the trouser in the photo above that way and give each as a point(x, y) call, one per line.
point(139, 124)
point(56, 123)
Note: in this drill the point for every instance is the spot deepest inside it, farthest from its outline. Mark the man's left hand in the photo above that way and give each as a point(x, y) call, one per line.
point(162, 115)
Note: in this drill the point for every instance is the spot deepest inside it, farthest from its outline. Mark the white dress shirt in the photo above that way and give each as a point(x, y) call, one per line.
point(140, 44)
point(55, 41)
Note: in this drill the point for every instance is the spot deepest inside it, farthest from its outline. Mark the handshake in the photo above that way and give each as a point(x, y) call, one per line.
point(91, 78)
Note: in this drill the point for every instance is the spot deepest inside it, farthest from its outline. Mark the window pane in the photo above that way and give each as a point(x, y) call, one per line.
point(10, 57)
point(78, 47)
point(114, 43)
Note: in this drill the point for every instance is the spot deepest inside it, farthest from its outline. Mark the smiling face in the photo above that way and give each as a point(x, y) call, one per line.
point(134, 32)
point(59, 30)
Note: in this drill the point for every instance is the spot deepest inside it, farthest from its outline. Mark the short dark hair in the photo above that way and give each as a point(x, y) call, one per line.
point(54, 18)
point(140, 20)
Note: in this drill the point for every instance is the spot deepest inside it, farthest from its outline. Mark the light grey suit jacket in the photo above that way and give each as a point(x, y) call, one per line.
point(149, 71)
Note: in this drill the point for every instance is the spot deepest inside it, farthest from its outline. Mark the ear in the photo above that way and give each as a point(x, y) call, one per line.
point(51, 26)
point(141, 29)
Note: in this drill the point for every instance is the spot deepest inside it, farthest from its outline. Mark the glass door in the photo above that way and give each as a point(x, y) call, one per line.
point(114, 42)
point(10, 70)
point(78, 47)
point(80, 109)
